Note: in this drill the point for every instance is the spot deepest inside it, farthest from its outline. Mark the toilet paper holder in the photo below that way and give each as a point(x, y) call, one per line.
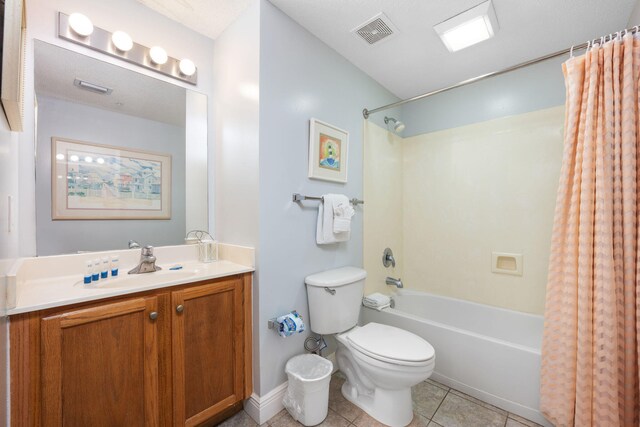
point(288, 324)
point(273, 322)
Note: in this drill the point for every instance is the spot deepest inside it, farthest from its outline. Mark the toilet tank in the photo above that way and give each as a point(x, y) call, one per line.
point(334, 299)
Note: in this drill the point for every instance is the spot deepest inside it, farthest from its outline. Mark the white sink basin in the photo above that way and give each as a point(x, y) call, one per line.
point(140, 280)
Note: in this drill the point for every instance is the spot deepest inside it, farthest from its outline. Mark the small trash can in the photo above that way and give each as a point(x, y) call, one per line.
point(307, 396)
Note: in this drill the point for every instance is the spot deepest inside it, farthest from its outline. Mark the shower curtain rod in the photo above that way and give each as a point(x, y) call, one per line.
point(570, 50)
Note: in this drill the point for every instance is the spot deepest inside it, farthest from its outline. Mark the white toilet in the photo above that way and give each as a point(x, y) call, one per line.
point(381, 362)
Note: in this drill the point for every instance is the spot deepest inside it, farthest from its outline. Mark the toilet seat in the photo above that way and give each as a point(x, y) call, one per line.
point(392, 345)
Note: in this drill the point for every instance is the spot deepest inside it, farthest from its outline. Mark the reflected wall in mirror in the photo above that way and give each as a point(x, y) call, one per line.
point(83, 99)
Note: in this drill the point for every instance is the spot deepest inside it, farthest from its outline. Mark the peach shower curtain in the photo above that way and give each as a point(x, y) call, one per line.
point(591, 334)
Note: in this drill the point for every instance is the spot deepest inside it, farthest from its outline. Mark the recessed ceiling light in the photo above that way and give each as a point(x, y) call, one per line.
point(158, 55)
point(469, 27)
point(80, 24)
point(122, 41)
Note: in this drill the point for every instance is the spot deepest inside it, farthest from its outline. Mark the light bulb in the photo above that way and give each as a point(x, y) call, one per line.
point(122, 41)
point(80, 24)
point(158, 55)
point(74, 158)
point(187, 67)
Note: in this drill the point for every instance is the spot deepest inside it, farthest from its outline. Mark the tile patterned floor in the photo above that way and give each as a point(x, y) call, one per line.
point(434, 405)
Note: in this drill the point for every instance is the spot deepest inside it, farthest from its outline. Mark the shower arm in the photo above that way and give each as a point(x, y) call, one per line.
point(366, 113)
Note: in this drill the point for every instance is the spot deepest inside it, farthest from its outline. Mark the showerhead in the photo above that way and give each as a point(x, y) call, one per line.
point(397, 125)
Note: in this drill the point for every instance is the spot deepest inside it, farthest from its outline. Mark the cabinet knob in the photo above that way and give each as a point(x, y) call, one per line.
point(180, 308)
point(153, 315)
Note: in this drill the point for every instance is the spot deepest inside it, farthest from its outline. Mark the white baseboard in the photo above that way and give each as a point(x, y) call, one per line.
point(263, 408)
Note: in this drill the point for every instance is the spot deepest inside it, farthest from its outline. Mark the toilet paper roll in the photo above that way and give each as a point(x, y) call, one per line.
point(290, 324)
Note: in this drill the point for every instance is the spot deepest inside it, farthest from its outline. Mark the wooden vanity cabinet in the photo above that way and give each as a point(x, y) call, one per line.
point(100, 365)
point(176, 356)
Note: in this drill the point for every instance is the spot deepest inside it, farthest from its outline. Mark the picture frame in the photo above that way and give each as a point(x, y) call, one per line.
point(97, 182)
point(14, 29)
point(328, 152)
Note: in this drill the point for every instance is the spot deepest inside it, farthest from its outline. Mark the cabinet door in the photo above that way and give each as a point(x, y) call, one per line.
point(207, 350)
point(100, 366)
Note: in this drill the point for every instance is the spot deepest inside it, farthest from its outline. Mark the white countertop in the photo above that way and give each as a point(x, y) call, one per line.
point(34, 291)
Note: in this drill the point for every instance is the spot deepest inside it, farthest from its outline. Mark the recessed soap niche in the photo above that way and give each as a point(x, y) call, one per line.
point(506, 263)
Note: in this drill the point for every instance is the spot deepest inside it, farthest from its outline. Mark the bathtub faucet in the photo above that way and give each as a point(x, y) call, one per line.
point(394, 282)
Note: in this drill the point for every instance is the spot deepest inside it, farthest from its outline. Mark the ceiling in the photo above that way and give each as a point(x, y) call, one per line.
point(133, 93)
point(208, 17)
point(415, 61)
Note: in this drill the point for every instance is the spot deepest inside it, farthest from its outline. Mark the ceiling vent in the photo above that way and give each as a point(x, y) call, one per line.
point(376, 29)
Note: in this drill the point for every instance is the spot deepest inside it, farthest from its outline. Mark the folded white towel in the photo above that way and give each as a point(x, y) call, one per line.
point(376, 307)
point(342, 213)
point(376, 299)
point(324, 230)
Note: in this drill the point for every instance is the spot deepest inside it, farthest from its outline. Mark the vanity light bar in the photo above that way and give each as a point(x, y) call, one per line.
point(101, 41)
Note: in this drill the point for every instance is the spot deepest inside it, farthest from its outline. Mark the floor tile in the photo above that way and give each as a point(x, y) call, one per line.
point(339, 403)
point(241, 419)
point(344, 408)
point(334, 420)
point(419, 421)
point(366, 420)
point(339, 374)
point(426, 398)
point(437, 384)
point(336, 384)
point(456, 411)
point(522, 421)
point(478, 401)
point(284, 419)
point(433, 424)
point(513, 423)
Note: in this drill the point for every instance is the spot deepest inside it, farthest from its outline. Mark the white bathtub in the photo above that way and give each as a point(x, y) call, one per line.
point(487, 352)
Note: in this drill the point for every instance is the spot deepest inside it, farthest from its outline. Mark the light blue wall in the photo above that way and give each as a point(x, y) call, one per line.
point(300, 78)
point(527, 89)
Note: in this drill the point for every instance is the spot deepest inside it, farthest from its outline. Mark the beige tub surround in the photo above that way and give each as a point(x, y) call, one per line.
point(383, 215)
point(38, 283)
point(446, 202)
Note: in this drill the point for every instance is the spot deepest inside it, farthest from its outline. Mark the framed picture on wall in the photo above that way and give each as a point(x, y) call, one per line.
point(92, 181)
point(328, 152)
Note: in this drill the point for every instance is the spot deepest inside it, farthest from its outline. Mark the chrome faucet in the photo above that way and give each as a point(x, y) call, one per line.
point(133, 244)
point(147, 262)
point(394, 282)
point(388, 259)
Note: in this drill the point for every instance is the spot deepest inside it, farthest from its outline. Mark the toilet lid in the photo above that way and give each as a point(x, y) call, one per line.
point(388, 342)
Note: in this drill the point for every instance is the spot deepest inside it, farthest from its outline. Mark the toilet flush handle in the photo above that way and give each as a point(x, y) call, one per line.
point(331, 291)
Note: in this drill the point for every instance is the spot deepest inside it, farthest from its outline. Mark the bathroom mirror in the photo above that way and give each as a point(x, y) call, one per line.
point(119, 156)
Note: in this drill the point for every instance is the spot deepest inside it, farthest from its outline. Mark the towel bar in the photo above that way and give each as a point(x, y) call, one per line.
point(297, 197)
